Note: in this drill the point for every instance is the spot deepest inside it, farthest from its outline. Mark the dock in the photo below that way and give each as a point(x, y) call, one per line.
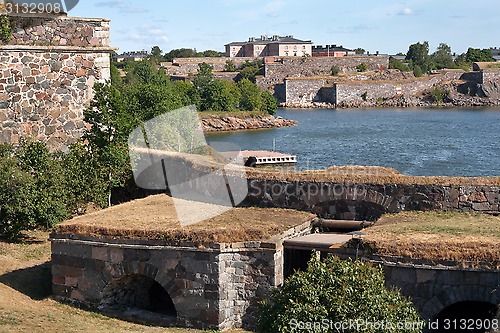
point(263, 157)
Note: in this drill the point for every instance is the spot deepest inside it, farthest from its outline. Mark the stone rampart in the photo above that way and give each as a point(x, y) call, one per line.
point(357, 201)
point(185, 66)
point(47, 74)
point(309, 67)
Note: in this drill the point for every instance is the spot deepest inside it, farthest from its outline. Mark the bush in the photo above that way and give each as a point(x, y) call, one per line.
point(335, 291)
point(417, 71)
point(438, 95)
point(362, 67)
point(269, 104)
point(335, 70)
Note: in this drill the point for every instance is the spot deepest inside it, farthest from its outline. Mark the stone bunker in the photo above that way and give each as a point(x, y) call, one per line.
point(136, 262)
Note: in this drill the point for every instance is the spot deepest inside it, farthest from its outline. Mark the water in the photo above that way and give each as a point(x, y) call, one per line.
point(440, 142)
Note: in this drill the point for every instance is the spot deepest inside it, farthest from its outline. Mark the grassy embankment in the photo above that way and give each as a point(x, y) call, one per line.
point(463, 237)
point(235, 114)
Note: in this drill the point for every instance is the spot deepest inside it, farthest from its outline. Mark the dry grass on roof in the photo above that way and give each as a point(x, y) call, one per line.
point(368, 175)
point(155, 218)
point(462, 237)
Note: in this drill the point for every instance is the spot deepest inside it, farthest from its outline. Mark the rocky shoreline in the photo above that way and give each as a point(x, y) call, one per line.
point(453, 100)
point(221, 124)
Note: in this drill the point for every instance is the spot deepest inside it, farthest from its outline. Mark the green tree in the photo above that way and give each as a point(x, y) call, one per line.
point(478, 55)
point(398, 64)
point(249, 70)
point(229, 67)
point(419, 55)
point(204, 76)
point(156, 52)
point(251, 98)
point(110, 124)
point(336, 291)
point(360, 51)
point(442, 58)
point(417, 71)
point(180, 53)
point(217, 97)
point(211, 54)
point(269, 104)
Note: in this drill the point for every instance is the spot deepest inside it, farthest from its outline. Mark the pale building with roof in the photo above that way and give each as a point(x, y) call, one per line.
point(265, 46)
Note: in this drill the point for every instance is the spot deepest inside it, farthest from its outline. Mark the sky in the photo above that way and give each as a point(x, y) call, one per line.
point(374, 25)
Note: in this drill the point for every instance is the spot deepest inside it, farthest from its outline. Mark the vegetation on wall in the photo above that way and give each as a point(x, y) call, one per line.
point(336, 291)
point(6, 28)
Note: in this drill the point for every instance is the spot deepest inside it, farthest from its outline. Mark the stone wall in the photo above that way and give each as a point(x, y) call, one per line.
point(212, 286)
point(47, 72)
point(317, 66)
point(185, 66)
point(432, 286)
point(355, 201)
point(354, 92)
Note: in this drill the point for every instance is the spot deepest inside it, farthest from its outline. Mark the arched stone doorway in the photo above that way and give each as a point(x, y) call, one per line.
point(138, 298)
point(467, 316)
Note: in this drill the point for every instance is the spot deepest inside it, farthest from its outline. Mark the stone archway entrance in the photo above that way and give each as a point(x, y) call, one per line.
point(138, 298)
point(468, 316)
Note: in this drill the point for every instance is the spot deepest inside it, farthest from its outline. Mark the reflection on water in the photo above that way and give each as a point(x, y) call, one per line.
point(443, 142)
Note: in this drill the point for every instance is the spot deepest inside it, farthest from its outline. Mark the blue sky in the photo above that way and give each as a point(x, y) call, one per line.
point(375, 25)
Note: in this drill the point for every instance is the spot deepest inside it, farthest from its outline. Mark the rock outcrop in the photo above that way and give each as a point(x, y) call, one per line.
point(220, 124)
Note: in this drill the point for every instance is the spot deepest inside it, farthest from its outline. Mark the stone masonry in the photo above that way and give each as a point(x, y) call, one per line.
point(47, 74)
point(355, 201)
point(212, 286)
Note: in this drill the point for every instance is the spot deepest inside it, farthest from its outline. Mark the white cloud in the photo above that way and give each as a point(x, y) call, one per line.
point(406, 11)
point(122, 6)
point(273, 7)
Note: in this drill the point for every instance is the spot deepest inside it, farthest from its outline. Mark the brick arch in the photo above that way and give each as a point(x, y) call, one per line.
point(458, 294)
point(113, 271)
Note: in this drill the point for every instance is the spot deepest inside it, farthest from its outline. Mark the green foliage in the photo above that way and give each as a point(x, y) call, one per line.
point(477, 55)
point(438, 95)
point(361, 67)
point(442, 57)
point(229, 67)
point(6, 28)
point(360, 51)
point(249, 70)
point(335, 291)
point(398, 64)
point(156, 52)
point(191, 53)
point(364, 96)
point(269, 103)
point(419, 55)
point(251, 98)
point(417, 71)
point(335, 70)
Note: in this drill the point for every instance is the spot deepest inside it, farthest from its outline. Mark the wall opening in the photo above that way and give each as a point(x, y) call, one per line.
point(467, 316)
point(135, 297)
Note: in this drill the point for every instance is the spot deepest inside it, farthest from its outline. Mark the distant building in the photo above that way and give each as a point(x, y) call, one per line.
point(495, 52)
point(264, 46)
point(134, 56)
point(331, 51)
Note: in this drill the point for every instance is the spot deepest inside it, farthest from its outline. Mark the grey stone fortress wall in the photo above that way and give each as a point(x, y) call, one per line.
point(47, 74)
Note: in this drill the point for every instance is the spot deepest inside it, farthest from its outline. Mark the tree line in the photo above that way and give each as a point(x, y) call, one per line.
point(420, 61)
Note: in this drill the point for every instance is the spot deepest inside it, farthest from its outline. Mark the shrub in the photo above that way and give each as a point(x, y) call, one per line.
point(229, 67)
point(417, 71)
point(269, 104)
point(362, 67)
point(438, 95)
point(6, 28)
point(364, 96)
point(335, 291)
point(335, 70)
